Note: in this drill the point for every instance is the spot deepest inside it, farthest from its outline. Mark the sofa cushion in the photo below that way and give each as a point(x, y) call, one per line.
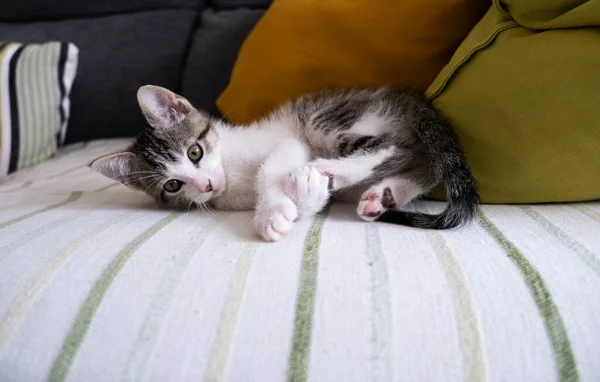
point(35, 86)
point(551, 14)
point(230, 4)
point(118, 54)
point(525, 104)
point(297, 48)
point(212, 54)
point(99, 285)
point(37, 10)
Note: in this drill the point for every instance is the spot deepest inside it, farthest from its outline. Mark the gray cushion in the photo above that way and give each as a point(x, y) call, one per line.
point(117, 55)
point(230, 4)
point(213, 52)
point(29, 10)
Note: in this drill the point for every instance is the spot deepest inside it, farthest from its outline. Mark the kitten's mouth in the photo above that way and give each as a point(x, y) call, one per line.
point(209, 187)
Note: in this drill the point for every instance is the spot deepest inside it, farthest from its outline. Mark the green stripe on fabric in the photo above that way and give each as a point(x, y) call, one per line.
point(472, 340)
point(217, 365)
point(45, 139)
point(73, 197)
point(107, 187)
point(38, 130)
point(26, 107)
point(20, 76)
point(67, 171)
point(305, 302)
point(25, 200)
point(585, 254)
point(23, 301)
point(555, 327)
point(587, 211)
point(381, 322)
point(75, 337)
point(25, 184)
point(35, 233)
point(164, 295)
point(48, 227)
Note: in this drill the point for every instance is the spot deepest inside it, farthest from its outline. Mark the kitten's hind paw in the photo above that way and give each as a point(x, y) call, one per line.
point(274, 221)
point(374, 202)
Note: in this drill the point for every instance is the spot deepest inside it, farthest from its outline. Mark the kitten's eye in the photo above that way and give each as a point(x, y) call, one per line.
point(173, 185)
point(195, 153)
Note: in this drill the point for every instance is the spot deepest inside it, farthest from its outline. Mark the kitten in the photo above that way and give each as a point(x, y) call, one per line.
point(379, 148)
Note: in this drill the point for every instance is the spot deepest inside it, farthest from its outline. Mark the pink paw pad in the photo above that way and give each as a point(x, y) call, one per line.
point(373, 203)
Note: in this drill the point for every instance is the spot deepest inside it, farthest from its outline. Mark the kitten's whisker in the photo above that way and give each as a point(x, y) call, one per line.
point(141, 172)
point(152, 184)
point(188, 206)
point(142, 177)
point(136, 180)
point(156, 189)
point(207, 208)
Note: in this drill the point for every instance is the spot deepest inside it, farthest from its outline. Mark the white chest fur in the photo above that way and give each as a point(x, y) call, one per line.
point(243, 150)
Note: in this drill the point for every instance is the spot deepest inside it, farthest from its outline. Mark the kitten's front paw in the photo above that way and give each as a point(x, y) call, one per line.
point(333, 170)
point(274, 220)
point(308, 189)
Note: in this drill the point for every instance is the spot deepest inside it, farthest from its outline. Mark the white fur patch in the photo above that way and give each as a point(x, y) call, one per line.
point(369, 124)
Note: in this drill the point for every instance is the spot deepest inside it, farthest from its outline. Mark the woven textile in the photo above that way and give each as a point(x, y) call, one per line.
point(35, 83)
point(99, 285)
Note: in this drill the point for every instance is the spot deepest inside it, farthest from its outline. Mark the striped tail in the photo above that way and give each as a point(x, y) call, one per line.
point(450, 167)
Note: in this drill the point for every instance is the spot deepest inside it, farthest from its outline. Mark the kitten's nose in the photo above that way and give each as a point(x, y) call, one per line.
point(202, 186)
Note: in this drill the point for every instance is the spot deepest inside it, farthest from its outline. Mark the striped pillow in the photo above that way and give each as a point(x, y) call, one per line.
point(35, 82)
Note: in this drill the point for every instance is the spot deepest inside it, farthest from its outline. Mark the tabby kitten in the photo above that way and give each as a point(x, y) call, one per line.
point(379, 148)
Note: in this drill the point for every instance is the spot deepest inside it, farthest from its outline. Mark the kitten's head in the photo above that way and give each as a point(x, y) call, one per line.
point(176, 158)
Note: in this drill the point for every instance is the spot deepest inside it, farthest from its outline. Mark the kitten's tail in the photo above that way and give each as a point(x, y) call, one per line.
point(450, 168)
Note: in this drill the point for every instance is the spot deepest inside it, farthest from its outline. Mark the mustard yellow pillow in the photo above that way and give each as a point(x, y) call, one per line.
point(308, 45)
point(526, 103)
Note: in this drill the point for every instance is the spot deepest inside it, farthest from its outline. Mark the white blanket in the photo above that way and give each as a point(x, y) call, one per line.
point(96, 284)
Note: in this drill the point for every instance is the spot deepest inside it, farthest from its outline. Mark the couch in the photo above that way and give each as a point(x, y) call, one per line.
point(97, 284)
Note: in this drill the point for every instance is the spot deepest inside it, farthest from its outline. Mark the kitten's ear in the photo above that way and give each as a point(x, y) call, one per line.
point(119, 166)
point(161, 107)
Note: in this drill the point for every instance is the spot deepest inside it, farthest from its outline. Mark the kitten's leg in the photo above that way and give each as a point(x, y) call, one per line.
point(391, 193)
point(308, 189)
point(350, 195)
point(349, 171)
point(275, 211)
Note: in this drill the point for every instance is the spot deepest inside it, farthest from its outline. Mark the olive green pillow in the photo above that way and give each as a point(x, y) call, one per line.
point(526, 102)
point(551, 14)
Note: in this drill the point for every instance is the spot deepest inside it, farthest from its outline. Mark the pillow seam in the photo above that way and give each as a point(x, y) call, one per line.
point(442, 83)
